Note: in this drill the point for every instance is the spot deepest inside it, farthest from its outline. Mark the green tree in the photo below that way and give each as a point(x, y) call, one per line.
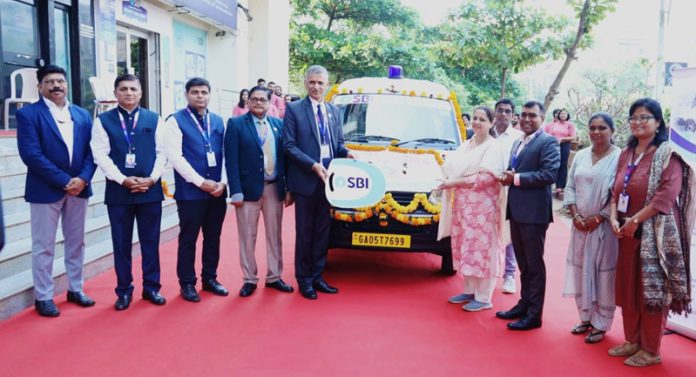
point(506, 36)
point(611, 91)
point(589, 14)
point(352, 37)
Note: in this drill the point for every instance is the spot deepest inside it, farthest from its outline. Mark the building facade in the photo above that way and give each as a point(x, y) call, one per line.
point(165, 42)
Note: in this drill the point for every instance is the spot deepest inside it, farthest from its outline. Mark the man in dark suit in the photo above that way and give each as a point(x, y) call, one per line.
point(255, 171)
point(312, 136)
point(193, 142)
point(126, 144)
point(533, 166)
point(53, 141)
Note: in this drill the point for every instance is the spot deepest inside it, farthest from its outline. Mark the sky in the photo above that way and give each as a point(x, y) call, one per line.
point(630, 33)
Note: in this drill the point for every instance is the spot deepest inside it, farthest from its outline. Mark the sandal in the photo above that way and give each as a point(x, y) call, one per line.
point(595, 336)
point(643, 359)
point(581, 328)
point(626, 349)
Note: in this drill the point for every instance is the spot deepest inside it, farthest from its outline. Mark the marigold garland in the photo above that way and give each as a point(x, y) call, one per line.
point(332, 93)
point(165, 189)
point(458, 112)
point(394, 148)
point(390, 207)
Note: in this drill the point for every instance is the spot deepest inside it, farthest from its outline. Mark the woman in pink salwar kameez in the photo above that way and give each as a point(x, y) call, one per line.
point(471, 212)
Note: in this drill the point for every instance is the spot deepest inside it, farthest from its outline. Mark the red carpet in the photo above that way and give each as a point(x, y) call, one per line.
point(390, 319)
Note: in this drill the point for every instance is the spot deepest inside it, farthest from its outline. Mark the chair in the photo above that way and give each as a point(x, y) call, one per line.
point(104, 99)
point(28, 94)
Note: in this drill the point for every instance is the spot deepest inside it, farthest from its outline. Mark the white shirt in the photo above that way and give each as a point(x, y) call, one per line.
point(506, 141)
point(64, 122)
point(173, 149)
point(520, 148)
point(101, 148)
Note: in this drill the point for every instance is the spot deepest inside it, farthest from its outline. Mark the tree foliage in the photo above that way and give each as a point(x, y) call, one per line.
point(589, 14)
point(505, 35)
point(612, 92)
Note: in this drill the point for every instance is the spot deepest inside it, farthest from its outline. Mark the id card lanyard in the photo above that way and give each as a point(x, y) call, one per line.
point(212, 162)
point(130, 155)
point(630, 169)
point(326, 152)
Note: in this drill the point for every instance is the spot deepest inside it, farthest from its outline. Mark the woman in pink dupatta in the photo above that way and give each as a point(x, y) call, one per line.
point(471, 212)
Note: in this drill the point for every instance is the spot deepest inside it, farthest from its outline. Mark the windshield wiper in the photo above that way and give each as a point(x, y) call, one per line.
point(368, 138)
point(428, 140)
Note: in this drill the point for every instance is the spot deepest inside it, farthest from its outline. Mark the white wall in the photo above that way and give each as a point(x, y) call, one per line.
point(234, 60)
point(269, 39)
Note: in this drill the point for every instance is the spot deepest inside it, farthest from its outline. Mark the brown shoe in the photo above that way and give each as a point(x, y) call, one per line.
point(626, 349)
point(643, 359)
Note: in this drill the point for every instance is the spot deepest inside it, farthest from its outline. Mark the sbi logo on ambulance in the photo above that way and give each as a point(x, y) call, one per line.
point(354, 184)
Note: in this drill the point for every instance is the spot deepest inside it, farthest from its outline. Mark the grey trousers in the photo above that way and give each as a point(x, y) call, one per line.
point(44, 224)
point(247, 226)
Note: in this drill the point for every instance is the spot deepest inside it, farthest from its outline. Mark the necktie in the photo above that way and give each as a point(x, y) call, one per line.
point(322, 127)
point(267, 147)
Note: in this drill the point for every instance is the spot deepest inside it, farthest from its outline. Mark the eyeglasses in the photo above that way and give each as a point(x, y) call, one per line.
point(503, 111)
point(258, 100)
point(528, 115)
point(54, 81)
point(643, 119)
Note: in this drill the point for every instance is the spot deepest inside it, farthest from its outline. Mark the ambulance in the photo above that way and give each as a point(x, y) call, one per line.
point(405, 128)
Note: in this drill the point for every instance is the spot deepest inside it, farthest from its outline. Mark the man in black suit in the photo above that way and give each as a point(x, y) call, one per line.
point(312, 136)
point(534, 162)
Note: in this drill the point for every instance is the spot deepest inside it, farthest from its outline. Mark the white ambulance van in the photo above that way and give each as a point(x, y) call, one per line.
point(406, 128)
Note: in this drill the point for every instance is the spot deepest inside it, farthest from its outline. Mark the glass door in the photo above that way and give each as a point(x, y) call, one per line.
point(19, 41)
point(62, 37)
point(132, 57)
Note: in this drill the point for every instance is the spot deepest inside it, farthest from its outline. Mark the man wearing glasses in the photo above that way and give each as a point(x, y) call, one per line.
point(53, 139)
point(533, 167)
point(193, 141)
point(254, 163)
point(507, 135)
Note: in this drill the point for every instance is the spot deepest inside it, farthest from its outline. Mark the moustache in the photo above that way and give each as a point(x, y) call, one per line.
point(54, 90)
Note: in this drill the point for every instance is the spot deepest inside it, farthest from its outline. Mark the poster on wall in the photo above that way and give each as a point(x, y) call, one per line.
point(188, 56)
point(179, 94)
point(107, 38)
point(683, 140)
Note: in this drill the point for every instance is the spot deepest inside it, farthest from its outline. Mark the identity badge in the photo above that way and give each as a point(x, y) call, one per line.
point(212, 162)
point(622, 206)
point(130, 160)
point(325, 151)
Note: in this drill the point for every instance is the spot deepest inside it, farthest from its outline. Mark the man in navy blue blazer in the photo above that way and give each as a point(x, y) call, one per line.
point(127, 147)
point(256, 175)
point(312, 136)
point(534, 162)
point(53, 140)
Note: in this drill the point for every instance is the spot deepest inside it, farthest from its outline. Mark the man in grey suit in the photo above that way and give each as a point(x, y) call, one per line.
point(312, 136)
point(534, 162)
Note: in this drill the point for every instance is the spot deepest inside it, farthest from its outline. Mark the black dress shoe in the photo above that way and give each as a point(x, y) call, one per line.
point(526, 323)
point(515, 313)
point(80, 298)
point(280, 285)
point(46, 308)
point(308, 292)
point(188, 292)
point(123, 302)
point(154, 297)
point(215, 287)
point(324, 287)
point(247, 289)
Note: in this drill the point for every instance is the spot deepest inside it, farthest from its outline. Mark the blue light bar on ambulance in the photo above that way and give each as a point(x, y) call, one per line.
point(396, 72)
